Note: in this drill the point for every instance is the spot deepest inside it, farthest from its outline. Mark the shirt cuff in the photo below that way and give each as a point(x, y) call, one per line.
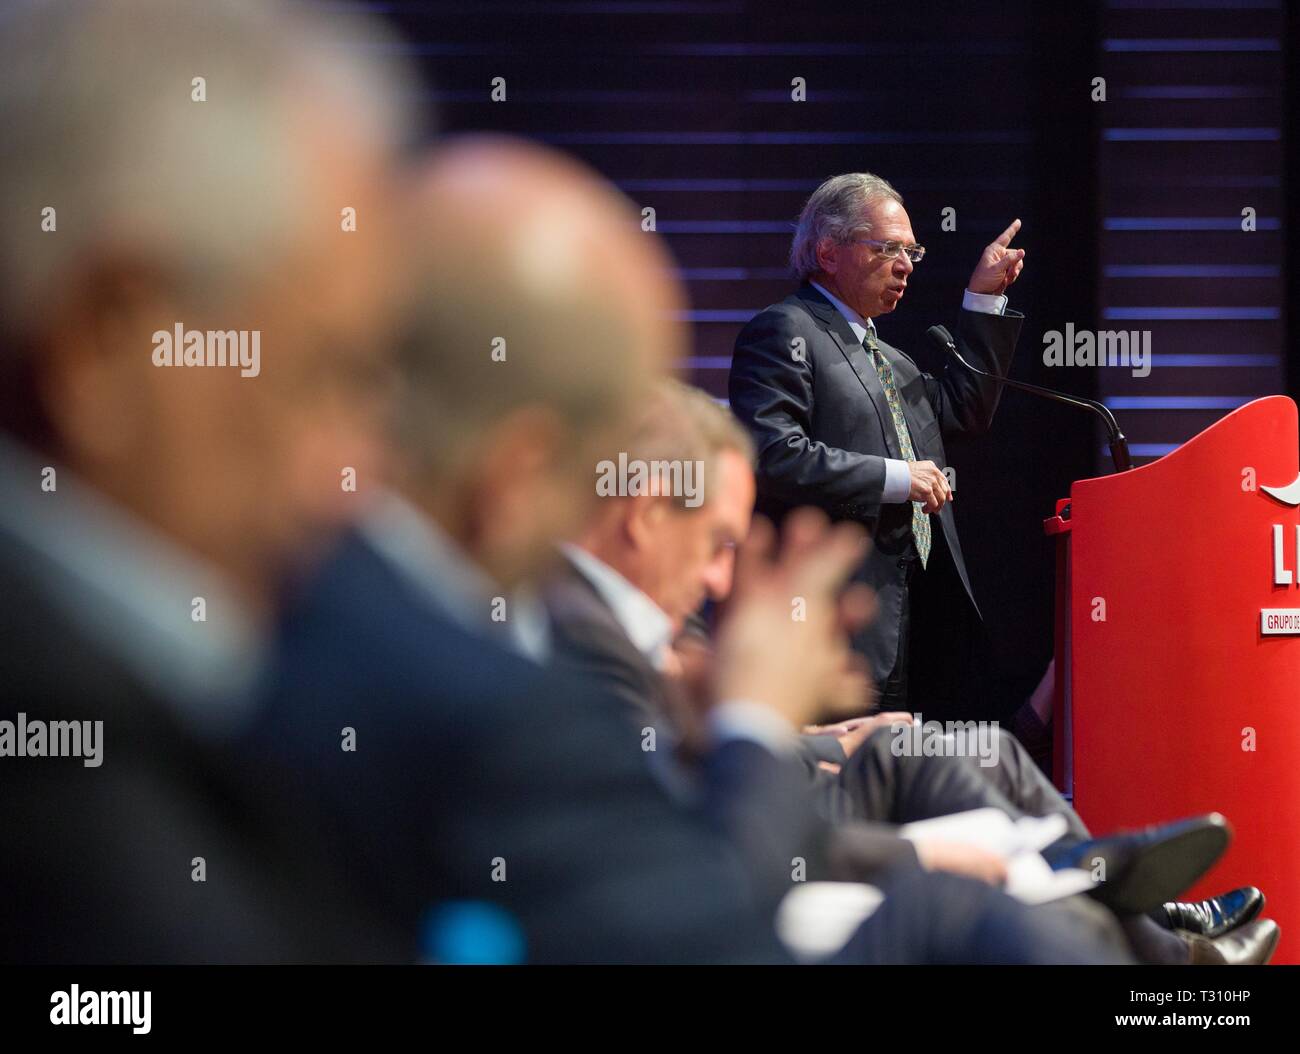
point(898, 482)
point(736, 719)
point(984, 303)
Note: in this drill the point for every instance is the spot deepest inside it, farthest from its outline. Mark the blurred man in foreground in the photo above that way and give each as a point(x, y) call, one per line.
point(149, 509)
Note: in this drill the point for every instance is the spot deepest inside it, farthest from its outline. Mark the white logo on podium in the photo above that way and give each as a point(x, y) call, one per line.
point(1282, 622)
point(1288, 495)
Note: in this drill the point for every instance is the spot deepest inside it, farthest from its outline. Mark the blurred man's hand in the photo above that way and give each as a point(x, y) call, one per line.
point(962, 860)
point(855, 731)
point(784, 640)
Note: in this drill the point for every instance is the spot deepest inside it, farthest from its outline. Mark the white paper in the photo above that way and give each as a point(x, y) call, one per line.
point(1019, 842)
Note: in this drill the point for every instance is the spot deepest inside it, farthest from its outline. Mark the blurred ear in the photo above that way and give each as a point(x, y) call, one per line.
point(645, 519)
point(518, 459)
point(521, 472)
point(96, 361)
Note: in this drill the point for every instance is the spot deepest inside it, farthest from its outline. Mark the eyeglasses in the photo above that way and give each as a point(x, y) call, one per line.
point(890, 250)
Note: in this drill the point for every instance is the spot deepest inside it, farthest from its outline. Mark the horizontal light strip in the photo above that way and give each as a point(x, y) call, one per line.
point(1192, 271)
point(1187, 178)
point(713, 316)
point(1210, 359)
point(1192, 44)
point(1195, 91)
point(1220, 314)
point(1186, 223)
point(1178, 402)
point(1190, 135)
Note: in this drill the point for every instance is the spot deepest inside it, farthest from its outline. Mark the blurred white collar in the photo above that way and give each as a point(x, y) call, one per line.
point(862, 327)
point(645, 622)
point(447, 577)
point(133, 591)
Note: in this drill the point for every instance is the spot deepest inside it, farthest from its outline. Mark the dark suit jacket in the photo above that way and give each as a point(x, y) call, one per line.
point(823, 430)
point(759, 801)
point(765, 804)
point(95, 863)
point(470, 759)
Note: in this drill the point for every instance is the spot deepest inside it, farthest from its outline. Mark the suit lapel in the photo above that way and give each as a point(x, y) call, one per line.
point(585, 629)
point(858, 359)
point(581, 616)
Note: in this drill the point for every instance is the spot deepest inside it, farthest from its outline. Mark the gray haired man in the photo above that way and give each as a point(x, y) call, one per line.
point(847, 423)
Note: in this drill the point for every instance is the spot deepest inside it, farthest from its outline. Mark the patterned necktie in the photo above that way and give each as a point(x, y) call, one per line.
point(920, 520)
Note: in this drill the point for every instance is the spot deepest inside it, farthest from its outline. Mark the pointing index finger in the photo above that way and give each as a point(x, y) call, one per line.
point(1004, 239)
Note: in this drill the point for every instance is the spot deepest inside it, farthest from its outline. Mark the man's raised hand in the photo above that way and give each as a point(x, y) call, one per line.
point(999, 265)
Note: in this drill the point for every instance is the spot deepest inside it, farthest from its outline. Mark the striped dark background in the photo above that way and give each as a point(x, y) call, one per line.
point(1131, 207)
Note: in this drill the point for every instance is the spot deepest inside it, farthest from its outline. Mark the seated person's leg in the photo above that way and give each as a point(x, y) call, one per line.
point(938, 918)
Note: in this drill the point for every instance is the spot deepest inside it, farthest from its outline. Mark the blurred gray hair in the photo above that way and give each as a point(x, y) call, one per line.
point(683, 423)
point(95, 103)
point(836, 210)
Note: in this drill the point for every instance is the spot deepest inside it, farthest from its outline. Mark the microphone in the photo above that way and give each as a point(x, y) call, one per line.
point(1118, 444)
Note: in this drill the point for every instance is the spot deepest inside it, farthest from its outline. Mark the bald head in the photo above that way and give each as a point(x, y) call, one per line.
point(543, 314)
point(536, 286)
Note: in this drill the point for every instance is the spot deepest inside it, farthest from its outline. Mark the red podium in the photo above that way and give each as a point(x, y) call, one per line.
point(1178, 648)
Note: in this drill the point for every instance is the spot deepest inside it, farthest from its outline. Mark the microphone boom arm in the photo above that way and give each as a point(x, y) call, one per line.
point(1118, 443)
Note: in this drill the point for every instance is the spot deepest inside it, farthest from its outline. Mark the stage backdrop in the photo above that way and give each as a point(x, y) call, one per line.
point(721, 116)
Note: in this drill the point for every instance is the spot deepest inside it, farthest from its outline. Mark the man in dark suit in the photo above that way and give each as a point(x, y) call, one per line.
point(148, 514)
point(847, 423)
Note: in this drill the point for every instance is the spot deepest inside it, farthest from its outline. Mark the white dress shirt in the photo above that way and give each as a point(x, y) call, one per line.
point(646, 624)
point(898, 477)
point(450, 581)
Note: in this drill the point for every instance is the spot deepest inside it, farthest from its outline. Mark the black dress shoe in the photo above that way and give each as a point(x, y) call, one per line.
point(1213, 917)
point(1251, 945)
point(1143, 869)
